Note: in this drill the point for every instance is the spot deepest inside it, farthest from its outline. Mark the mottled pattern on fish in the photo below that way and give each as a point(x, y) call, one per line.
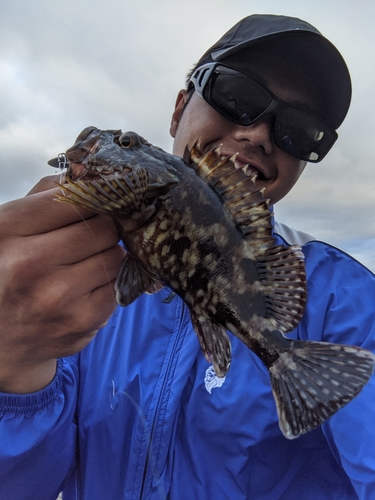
point(201, 226)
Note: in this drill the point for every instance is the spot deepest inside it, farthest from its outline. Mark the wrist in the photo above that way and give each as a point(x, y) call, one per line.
point(27, 379)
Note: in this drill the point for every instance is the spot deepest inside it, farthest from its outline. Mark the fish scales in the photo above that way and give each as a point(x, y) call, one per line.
point(211, 252)
point(200, 226)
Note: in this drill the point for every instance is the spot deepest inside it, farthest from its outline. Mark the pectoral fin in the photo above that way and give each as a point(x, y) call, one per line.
point(124, 196)
point(133, 280)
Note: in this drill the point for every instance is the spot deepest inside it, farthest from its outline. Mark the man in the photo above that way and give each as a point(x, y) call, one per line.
point(135, 411)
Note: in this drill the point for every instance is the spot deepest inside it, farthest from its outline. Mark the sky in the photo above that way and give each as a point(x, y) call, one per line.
point(67, 64)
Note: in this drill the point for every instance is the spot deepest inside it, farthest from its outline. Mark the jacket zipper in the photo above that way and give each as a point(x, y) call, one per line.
point(161, 392)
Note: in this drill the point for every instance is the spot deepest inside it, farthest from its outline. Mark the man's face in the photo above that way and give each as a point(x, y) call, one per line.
point(277, 170)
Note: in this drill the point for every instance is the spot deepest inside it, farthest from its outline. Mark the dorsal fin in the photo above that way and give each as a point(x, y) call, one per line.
point(242, 198)
point(280, 269)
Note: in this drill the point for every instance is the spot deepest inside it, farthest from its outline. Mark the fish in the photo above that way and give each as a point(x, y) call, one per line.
point(200, 226)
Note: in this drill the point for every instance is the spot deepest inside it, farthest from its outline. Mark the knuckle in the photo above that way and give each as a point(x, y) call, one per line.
point(20, 269)
point(24, 265)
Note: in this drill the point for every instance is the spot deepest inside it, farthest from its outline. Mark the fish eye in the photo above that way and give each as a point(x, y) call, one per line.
point(130, 140)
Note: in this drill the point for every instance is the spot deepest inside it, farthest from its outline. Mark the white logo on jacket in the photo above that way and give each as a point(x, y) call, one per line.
point(211, 380)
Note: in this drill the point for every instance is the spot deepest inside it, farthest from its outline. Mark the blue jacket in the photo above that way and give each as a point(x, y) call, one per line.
point(139, 414)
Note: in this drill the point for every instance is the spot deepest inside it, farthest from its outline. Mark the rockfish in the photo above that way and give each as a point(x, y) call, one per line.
point(200, 226)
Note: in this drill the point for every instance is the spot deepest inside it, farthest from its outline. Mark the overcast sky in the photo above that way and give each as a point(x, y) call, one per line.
point(67, 64)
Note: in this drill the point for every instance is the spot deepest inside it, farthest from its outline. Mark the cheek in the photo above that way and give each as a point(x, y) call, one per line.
point(198, 120)
point(289, 171)
point(184, 132)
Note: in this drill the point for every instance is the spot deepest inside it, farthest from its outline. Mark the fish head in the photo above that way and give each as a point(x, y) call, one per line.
point(109, 154)
point(118, 174)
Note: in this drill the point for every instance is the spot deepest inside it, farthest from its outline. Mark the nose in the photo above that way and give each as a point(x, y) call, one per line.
point(259, 134)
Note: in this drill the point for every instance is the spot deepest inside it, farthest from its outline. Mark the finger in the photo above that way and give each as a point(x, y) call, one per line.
point(39, 213)
point(96, 271)
point(102, 302)
point(56, 296)
point(48, 182)
point(73, 243)
point(90, 314)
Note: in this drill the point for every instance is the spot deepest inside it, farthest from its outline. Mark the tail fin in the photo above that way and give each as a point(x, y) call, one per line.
point(313, 380)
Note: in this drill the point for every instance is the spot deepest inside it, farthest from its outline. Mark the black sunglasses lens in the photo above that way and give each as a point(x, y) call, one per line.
point(303, 135)
point(236, 96)
point(242, 99)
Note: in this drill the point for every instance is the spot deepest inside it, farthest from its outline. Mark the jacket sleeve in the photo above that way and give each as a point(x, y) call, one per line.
point(38, 436)
point(342, 296)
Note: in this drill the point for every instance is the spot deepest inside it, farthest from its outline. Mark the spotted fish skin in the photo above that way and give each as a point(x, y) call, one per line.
point(200, 226)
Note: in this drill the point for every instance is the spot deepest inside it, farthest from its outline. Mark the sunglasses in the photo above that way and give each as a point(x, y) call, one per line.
point(244, 100)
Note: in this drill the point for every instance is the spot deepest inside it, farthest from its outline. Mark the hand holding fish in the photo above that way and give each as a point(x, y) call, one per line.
point(58, 267)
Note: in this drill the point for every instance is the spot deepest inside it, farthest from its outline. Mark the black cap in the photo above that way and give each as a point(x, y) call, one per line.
point(299, 44)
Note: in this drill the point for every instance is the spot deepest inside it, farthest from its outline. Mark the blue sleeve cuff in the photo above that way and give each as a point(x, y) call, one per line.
point(34, 401)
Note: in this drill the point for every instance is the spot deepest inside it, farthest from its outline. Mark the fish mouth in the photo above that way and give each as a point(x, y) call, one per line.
point(95, 172)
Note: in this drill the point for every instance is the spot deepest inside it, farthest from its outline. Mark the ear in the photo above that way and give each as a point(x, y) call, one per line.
point(182, 97)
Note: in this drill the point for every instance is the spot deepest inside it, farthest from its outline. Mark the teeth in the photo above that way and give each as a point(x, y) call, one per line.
point(247, 170)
